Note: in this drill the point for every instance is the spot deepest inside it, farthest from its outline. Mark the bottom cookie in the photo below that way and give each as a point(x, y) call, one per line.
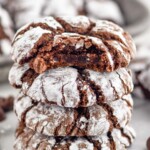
point(116, 140)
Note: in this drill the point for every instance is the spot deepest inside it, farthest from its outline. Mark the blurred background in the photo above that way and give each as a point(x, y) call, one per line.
point(132, 15)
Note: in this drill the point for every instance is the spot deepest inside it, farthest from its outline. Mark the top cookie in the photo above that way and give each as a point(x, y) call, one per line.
point(73, 41)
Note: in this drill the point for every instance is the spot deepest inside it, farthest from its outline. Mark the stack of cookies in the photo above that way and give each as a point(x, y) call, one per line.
point(75, 87)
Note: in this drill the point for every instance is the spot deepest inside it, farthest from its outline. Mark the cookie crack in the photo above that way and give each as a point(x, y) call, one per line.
point(28, 77)
point(63, 100)
point(127, 102)
point(75, 124)
point(114, 90)
point(23, 116)
point(125, 86)
point(96, 144)
point(44, 26)
point(126, 136)
point(42, 130)
point(98, 92)
point(111, 140)
point(42, 88)
point(82, 93)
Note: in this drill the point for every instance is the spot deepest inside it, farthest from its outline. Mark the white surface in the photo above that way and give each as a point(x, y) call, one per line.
point(140, 122)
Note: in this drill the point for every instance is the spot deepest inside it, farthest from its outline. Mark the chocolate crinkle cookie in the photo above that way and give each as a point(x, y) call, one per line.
point(53, 120)
point(72, 41)
point(141, 72)
point(6, 32)
point(97, 9)
point(72, 87)
point(75, 88)
point(6, 104)
point(117, 139)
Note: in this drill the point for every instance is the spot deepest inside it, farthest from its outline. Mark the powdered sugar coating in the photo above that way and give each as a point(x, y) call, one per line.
point(77, 22)
point(16, 73)
point(97, 42)
point(53, 120)
point(115, 31)
point(112, 82)
point(49, 21)
point(29, 39)
point(31, 140)
point(63, 86)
